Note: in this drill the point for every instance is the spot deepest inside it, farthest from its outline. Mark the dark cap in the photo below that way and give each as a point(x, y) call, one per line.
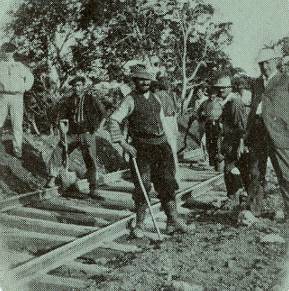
point(77, 79)
point(8, 47)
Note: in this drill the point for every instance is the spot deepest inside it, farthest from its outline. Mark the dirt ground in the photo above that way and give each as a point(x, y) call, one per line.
point(220, 255)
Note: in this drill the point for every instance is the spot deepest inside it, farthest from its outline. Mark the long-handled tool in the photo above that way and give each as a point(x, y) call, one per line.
point(67, 178)
point(146, 198)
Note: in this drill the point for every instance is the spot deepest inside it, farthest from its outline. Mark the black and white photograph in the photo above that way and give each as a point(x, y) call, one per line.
point(144, 145)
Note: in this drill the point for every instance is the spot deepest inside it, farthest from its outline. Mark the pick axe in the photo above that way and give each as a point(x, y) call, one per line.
point(146, 198)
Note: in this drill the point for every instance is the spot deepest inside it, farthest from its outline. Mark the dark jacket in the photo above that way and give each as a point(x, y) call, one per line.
point(234, 119)
point(252, 122)
point(84, 114)
point(275, 110)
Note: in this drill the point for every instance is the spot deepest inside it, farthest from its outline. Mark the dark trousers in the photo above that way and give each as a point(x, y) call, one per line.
point(235, 182)
point(258, 157)
point(213, 135)
point(156, 165)
point(280, 161)
point(86, 143)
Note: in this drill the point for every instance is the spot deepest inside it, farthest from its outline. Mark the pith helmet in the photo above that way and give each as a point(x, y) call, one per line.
point(266, 54)
point(223, 82)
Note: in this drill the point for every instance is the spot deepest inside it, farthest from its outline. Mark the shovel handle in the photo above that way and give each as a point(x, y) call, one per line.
point(66, 151)
point(146, 198)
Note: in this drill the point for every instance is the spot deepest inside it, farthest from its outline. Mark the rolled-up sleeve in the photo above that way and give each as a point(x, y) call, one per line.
point(118, 116)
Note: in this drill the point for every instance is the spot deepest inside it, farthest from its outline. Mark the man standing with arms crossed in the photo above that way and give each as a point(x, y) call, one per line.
point(142, 108)
point(15, 79)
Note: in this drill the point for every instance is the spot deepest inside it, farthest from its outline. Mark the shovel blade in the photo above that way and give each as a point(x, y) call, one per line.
point(67, 179)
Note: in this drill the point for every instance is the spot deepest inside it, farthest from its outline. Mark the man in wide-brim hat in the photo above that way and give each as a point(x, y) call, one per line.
point(143, 110)
point(79, 117)
point(233, 122)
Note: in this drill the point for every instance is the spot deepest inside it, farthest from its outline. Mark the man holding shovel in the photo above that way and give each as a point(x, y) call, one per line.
point(149, 148)
point(80, 117)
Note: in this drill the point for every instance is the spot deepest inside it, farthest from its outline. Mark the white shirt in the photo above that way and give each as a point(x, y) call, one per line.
point(127, 106)
point(15, 77)
point(266, 82)
point(198, 102)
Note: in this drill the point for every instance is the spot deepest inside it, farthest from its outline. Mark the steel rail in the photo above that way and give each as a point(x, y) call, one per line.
point(41, 265)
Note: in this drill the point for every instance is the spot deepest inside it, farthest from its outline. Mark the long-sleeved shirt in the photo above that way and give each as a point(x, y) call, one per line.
point(15, 77)
point(84, 113)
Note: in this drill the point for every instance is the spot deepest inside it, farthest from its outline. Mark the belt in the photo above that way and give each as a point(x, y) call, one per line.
point(150, 140)
point(11, 92)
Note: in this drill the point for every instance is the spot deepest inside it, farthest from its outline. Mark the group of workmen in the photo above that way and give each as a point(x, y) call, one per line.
point(246, 122)
point(241, 133)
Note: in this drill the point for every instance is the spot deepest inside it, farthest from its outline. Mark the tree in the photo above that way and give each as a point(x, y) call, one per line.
point(181, 33)
point(45, 32)
point(97, 38)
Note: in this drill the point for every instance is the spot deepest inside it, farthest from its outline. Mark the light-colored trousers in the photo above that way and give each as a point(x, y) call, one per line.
point(170, 125)
point(13, 104)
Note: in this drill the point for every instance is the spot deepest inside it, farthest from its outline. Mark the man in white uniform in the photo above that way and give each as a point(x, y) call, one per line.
point(15, 79)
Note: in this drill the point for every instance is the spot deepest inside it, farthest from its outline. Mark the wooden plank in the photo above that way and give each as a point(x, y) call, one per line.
point(120, 247)
point(60, 216)
point(197, 190)
point(111, 177)
point(41, 265)
point(23, 199)
point(85, 244)
point(154, 236)
point(44, 226)
point(122, 186)
point(116, 195)
point(97, 211)
point(90, 269)
point(34, 236)
point(64, 282)
point(111, 202)
point(44, 193)
point(11, 259)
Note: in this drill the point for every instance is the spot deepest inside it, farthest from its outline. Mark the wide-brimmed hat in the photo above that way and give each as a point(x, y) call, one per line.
point(141, 72)
point(223, 82)
point(77, 79)
point(267, 54)
point(8, 47)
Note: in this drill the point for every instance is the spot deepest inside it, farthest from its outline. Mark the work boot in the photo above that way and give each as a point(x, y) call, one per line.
point(137, 231)
point(50, 182)
point(93, 193)
point(17, 153)
point(174, 222)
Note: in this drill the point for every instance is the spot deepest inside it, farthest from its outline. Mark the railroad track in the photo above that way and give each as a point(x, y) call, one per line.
point(63, 243)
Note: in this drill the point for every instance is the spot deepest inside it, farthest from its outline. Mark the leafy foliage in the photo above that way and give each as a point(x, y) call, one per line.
point(98, 38)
